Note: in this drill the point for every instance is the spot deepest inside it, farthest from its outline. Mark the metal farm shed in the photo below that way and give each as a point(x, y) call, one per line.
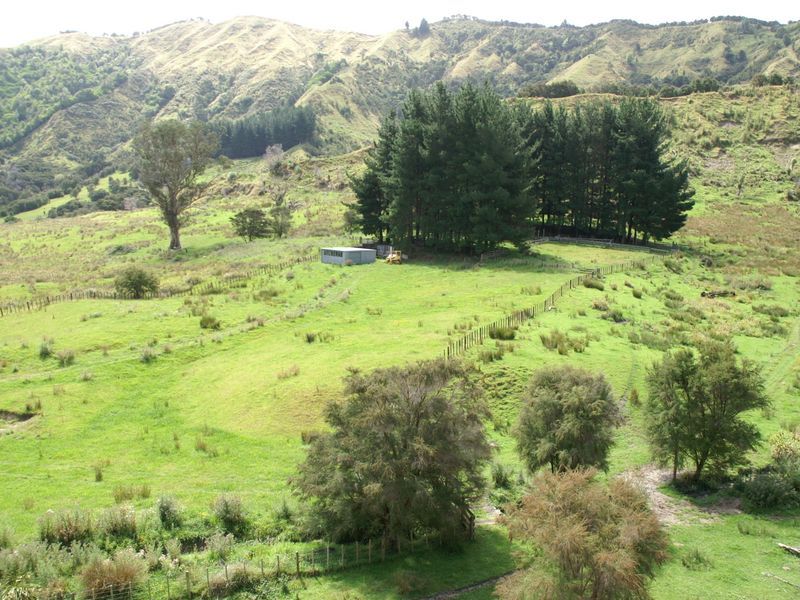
point(340, 255)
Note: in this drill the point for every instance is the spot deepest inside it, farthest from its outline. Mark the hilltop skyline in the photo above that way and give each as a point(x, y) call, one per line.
point(29, 22)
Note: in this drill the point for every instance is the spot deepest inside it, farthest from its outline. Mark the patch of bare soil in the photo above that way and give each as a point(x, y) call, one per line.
point(11, 421)
point(676, 511)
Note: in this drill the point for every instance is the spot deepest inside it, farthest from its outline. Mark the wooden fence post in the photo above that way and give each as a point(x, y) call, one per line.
point(188, 586)
point(297, 562)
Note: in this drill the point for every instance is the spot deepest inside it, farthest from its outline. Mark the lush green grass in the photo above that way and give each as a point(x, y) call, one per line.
point(233, 381)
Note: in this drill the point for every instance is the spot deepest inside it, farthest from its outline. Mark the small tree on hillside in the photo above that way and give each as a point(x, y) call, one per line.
point(136, 283)
point(251, 223)
point(171, 156)
point(595, 540)
point(567, 420)
point(280, 215)
point(695, 407)
point(405, 453)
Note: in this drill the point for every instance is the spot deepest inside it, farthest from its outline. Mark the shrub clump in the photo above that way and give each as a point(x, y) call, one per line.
point(118, 522)
point(502, 333)
point(169, 512)
point(123, 571)
point(66, 358)
point(136, 283)
point(210, 322)
point(593, 283)
point(230, 512)
point(66, 526)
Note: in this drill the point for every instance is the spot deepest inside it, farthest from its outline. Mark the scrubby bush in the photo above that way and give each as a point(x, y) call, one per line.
point(230, 513)
point(121, 573)
point(615, 315)
point(637, 293)
point(769, 490)
point(209, 322)
point(135, 282)
point(696, 560)
point(66, 358)
point(46, 349)
point(148, 355)
point(219, 546)
point(599, 304)
point(6, 537)
point(118, 522)
point(502, 476)
point(126, 493)
point(66, 526)
point(502, 333)
point(673, 265)
point(562, 343)
point(488, 355)
point(567, 420)
point(593, 283)
point(772, 310)
point(169, 512)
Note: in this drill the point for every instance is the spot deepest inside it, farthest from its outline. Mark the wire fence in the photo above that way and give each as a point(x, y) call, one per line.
point(213, 285)
point(187, 581)
point(477, 336)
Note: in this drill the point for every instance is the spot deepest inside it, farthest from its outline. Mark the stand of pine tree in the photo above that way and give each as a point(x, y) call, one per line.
point(465, 171)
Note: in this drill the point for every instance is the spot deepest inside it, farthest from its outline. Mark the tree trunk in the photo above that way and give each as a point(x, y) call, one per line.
point(675, 466)
point(174, 236)
point(699, 468)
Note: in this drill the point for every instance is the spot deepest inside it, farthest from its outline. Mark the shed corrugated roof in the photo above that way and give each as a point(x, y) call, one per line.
point(345, 249)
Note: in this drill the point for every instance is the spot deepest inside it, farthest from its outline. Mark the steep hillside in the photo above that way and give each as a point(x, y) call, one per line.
point(69, 103)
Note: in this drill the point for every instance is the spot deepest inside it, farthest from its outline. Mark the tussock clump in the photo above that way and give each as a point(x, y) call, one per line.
point(118, 522)
point(289, 372)
point(696, 560)
point(148, 355)
point(66, 526)
point(637, 293)
point(599, 304)
point(210, 322)
point(219, 546)
point(502, 333)
point(230, 512)
point(46, 348)
point(614, 315)
point(169, 512)
point(124, 571)
point(772, 310)
point(126, 493)
point(594, 284)
point(488, 355)
point(562, 343)
point(66, 358)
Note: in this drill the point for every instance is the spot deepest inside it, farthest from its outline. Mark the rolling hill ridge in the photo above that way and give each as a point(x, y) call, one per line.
point(70, 103)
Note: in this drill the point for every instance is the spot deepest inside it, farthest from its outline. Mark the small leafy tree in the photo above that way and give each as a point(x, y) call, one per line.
point(171, 156)
point(251, 223)
point(280, 215)
point(567, 420)
point(135, 282)
point(405, 453)
point(695, 407)
point(596, 540)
